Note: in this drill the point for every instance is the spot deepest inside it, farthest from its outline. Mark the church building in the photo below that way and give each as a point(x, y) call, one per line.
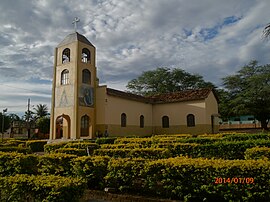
point(82, 109)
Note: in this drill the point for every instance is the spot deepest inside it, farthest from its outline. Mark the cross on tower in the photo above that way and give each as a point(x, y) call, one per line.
point(75, 21)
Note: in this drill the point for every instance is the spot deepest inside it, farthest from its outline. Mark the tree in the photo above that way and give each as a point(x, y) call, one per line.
point(41, 110)
point(164, 80)
point(43, 124)
point(6, 122)
point(249, 91)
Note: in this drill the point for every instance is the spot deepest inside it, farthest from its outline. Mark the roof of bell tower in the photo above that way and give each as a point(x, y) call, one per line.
point(75, 36)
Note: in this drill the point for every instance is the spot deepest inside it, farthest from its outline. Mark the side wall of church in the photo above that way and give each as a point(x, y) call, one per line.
point(109, 117)
point(177, 114)
point(212, 110)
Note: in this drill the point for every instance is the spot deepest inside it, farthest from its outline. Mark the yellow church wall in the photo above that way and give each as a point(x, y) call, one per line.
point(109, 113)
point(177, 113)
point(212, 110)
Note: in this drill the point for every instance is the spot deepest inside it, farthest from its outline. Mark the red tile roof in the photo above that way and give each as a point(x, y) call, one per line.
point(187, 95)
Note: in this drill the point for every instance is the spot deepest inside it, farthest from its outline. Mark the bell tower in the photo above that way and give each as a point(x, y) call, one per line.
point(73, 107)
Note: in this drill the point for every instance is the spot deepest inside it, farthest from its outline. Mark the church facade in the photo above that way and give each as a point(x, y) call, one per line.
point(82, 109)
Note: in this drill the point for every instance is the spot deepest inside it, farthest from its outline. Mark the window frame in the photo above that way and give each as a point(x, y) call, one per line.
point(191, 120)
point(123, 120)
point(165, 122)
point(65, 77)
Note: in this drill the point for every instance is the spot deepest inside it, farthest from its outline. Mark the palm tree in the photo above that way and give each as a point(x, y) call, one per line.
point(266, 31)
point(41, 110)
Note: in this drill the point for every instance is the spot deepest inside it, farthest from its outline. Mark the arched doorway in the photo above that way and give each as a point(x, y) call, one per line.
point(62, 127)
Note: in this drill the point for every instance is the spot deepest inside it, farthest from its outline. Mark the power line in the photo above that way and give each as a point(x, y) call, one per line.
point(33, 91)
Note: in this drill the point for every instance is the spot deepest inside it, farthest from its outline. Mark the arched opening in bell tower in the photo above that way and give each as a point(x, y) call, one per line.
point(85, 55)
point(62, 127)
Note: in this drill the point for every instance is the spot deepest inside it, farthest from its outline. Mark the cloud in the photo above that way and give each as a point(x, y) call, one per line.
point(211, 38)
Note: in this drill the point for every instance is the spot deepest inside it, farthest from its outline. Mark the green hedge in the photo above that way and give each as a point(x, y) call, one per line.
point(56, 164)
point(17, 163)
point(48, 148)
point(41, 188)
point(257, 153)
point(193, 179)
point(87, 146)
point(16, 149)
point(125, 174)
point(242, 137)
point(36, 145)
point(12, 143)
point(106, 140)
point(92, 169)
point(75, 151)
point(122, 146)
point(148, 153)
point(144, 141)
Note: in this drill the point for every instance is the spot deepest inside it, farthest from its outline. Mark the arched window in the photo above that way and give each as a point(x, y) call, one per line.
point(66, 55)
point(65, 77)
point(165, 122)
point(85, 55)
point(85, 125)
point(141, 121)
point(123, 120)
point(190, 120)
point(86, 76)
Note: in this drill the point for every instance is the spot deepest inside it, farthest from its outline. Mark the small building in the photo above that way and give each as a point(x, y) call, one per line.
point(82, 109)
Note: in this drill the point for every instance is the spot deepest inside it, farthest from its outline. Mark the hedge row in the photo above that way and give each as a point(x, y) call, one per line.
point(36, 145)
point(258, 153)
point(178, 178)
point(220, 149)
point(64, 147)
point(148, 153)
point(75, 151)
point(41, 188)
point(193, 179)
point(15, 149)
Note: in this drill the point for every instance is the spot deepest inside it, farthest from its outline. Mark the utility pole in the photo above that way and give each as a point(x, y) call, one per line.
point(28, 118)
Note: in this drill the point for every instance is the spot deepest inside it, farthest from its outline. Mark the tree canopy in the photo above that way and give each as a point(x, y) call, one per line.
point(165, 80)
point(249, 91)
point(41, 110)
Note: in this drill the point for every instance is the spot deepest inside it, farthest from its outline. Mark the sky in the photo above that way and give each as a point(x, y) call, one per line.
point(212, 38)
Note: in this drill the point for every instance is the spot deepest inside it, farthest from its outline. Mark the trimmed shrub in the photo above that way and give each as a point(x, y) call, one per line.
point(243, 137)
point(83, 145)
point(75, 151)
point(41, 188)
point(193, 179)
point(12, 143)
point(124, 174)
point(57, 164)
point(93, 169)
point(106, 140)
point(227, 150)
point(16, 149)
point(116, 153)
point(122, 146)
point(17, 163)
point(144, 141)
point(36, 145)
point(150, 153)
point(257, 153)
point(48, 148)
